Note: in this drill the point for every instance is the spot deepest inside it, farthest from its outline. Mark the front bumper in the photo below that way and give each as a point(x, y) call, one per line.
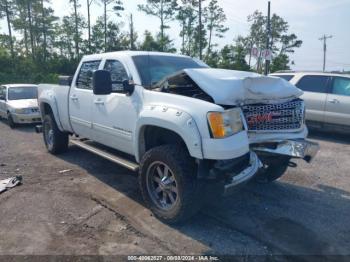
point(229, 173)
point(26, 118)
point(244, 175)
point(301, 148)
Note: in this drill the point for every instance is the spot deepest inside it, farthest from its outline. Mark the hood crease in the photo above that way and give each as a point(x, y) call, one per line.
point(229, 87)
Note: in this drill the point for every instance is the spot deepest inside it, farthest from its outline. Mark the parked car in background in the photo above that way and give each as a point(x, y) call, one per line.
point(326, 96)
point(19, 104)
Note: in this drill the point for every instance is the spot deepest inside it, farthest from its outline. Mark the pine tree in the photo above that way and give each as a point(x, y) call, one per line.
point(215, 18)
point(6, 9)
point(165, 11)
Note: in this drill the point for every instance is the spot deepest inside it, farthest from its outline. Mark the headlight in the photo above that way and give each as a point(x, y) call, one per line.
point(225, 124)
point(23, 111)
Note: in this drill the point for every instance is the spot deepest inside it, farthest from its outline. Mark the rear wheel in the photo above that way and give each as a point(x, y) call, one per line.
point(274, 168)
point(55, 140)
point(10, 120)
point(168, 183)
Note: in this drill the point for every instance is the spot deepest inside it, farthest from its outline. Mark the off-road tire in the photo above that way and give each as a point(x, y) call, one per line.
point(274, 168)
point(58, 142)
point(189, 187)
point(10, 121)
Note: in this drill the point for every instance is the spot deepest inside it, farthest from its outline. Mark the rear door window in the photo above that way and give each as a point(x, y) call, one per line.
point(84, 80)
point(341, 86)
point(314, 83)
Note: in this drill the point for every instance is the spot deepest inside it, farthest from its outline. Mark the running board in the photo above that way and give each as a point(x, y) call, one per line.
point(118, 160)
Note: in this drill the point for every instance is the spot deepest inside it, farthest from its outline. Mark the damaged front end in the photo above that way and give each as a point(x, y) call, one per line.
point(274, 113)
point(301, 148)
point(279, 129)
point(231, 172)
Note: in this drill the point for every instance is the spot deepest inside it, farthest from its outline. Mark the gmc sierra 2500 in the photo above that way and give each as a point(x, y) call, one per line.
point(181, 124)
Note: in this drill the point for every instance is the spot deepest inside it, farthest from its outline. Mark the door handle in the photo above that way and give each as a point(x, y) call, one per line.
point(334, 101)
point(74, 98)
point(99, 102)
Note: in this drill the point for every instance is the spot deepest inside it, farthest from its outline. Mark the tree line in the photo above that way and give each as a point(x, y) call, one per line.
point(39, 46)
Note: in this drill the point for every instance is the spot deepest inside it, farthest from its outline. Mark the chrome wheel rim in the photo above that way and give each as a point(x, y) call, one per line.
point(162, 186)
point(49, 135)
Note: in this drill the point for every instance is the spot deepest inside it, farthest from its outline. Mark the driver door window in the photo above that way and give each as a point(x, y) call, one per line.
point(118, 74)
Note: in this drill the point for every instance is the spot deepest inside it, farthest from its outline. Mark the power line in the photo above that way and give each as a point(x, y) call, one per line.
point(324, 39)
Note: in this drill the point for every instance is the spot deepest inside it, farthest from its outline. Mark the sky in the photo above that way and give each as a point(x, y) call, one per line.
point(308, 19)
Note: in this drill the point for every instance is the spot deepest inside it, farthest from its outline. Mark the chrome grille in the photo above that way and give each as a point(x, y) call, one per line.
point(285, 116)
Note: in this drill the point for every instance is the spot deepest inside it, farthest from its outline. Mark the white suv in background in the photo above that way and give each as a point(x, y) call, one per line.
point(326, 96)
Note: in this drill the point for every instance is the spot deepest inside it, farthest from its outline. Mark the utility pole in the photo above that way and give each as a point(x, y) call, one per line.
point(89, 2)
point(267, 62)
point(324, 39)
point(76, 33)
point(200, 29)
point(132, 40)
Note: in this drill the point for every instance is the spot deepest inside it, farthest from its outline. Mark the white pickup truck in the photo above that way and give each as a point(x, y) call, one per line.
point(184, 126)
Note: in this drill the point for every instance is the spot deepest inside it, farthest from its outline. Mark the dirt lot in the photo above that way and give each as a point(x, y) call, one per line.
point(96, 208)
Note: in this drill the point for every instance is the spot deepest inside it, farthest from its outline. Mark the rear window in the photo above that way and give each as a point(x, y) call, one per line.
point(84, 80)
point(153, 68)
point(18, 93)
point(313, 83)
point(285, 77)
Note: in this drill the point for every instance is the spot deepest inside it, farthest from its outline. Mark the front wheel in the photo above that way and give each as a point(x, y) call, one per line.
point(10, 120)
point(273, 168)
point(168, 183)
point(55, 140)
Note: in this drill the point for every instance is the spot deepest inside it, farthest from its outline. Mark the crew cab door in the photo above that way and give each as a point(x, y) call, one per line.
point(3, 101)
point(80, 99)
point(315, 89)
point(338, 102)
point(114, 115)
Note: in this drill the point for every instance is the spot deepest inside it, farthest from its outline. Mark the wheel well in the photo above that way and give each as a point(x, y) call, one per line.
point(153, 136)
point(46, 109)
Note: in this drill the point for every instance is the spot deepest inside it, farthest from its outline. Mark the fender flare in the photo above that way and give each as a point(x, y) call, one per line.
point(47, 97)
point(172, 119)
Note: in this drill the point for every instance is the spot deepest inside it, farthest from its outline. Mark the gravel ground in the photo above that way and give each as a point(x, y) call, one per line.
point(95, 207)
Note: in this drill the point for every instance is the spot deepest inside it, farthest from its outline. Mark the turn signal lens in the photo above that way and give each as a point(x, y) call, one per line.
point(216, 123)
point(225, 124)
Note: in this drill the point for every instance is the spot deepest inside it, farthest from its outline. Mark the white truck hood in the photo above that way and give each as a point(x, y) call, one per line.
point(229, 87)
point(23, 103)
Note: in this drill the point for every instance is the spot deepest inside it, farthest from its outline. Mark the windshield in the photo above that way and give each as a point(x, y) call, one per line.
point(153, 68)
point(21, 92)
